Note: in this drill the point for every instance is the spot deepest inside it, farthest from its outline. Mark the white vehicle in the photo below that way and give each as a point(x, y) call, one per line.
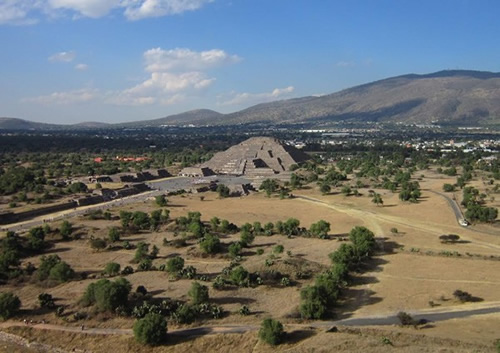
point(463, 222)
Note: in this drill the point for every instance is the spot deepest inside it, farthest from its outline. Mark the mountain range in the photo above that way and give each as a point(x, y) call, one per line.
point(453, 97)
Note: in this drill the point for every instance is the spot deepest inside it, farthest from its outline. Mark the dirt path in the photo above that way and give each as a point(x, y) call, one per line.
point(372, 219)
point(429, 315)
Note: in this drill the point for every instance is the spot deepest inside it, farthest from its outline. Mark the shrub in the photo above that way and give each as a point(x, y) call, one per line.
point(112, 269)
point(247, 238)
point(244, 310)
point(36, 237)
point(175, 264)
point(52, 267)
point(210, 244)
point(462, 296)
point(46, 301)
point(184, 314)
point(271, 331)
point(239, 275)
point(66, 229)
point(223, 191)
point(127, 270)
point(142, 252)
point(114, 234)
point(98, 243)
point(9, 305)
point(161, 200)
point(107, 295)
point(406, 319)
point(150, 330)
point(320, 229)
point(61, 272)
point(145, 265)
point(278, 249)
point(141, 220)
point(198, 293)
point(448, 187)
point(234, 249)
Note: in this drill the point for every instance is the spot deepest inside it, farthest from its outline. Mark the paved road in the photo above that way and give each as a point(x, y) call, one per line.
point(459, 215)
point(452, 202)
point(431, 315)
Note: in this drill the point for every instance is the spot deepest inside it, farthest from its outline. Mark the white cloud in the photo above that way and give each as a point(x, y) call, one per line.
point(174, 75)
point(183, 59)
point(88, 8)
point(81, 67)
point(63, 98)
point(23, 11)
point(255, 98)
point(139, 9)
point(17, 11)
point(64, 56)
point(165, 86)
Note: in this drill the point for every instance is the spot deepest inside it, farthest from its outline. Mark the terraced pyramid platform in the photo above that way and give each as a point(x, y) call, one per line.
point(257, 156)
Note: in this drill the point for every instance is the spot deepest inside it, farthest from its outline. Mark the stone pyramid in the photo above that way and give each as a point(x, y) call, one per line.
point(257, 156)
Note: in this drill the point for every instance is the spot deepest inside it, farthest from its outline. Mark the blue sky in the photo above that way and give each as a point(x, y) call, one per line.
point(68, 61)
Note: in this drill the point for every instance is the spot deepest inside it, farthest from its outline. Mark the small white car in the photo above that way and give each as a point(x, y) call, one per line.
point(463, 222)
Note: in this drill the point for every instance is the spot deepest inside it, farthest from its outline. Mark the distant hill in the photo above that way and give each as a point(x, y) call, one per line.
point(198, 115)
point(455, 97)
point(20, 124)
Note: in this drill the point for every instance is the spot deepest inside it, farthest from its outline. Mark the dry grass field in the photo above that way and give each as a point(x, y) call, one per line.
point(413, 272)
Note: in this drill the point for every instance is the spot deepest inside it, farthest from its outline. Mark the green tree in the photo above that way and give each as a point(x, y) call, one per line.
point(246, 238)
point(141, 220)
point(141, 252)
point(46, 300)
point(198, 293)
point(61, 272)
point(161, 200)
point(125, 218)
point(223, 191)
point(269, 186)
point(234, 249)
point(377, 199)
point(363, 241)
point(448, 187)
point(36, 239)
point(271, 331)
point(320, 229)
point(107, 295)
point(112, 269)
point(210, 244)
point(9, 305)
point(150, 330)
point(313, 303)
point(325, 188)
point(175, 265)
point(291, 226)
point(239, 275)
point(114, 234)
point(66, 229)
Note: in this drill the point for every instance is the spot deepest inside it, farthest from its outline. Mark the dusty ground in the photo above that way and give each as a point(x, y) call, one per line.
point(408, 276)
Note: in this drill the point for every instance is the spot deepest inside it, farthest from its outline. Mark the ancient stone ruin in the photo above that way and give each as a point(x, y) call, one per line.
point(257, 156)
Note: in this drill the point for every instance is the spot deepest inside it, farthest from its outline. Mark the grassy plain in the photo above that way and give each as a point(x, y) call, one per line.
point(414, 271)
